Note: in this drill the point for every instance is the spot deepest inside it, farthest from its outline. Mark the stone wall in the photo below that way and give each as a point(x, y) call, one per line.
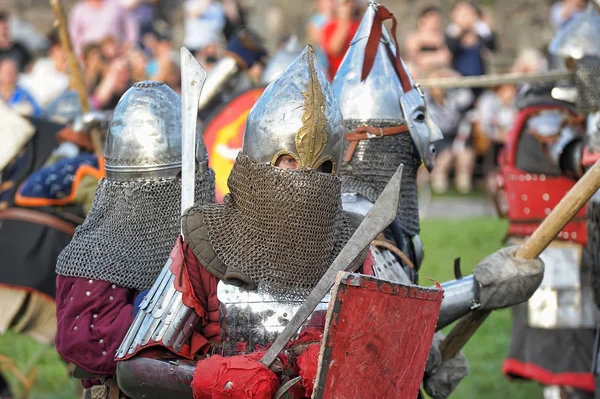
point(519, 23)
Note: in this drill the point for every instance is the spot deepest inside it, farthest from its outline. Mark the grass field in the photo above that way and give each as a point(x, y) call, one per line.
point(470, 239)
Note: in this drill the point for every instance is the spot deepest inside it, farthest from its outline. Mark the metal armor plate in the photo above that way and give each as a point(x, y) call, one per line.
point(251, 320)
point(162, 318)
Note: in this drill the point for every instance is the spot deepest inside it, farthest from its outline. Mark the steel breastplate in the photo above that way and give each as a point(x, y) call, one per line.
point(250, 320)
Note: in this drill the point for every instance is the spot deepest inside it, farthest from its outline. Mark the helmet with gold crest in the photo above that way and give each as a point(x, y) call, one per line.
point(282, 223)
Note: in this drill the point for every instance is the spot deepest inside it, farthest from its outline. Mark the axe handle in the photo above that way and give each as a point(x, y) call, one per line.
point(76, 76)
point(546, 232)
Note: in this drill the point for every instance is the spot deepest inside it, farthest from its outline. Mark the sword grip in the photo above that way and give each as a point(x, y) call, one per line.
point(546, 232)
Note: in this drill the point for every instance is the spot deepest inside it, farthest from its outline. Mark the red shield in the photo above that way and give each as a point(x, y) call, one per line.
point(377, 339)
point(223, 135)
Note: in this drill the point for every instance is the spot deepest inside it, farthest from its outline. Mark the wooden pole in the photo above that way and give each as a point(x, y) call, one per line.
point(76, 76)
point(546, 232)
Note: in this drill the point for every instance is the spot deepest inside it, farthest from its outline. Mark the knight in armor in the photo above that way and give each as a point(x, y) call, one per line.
point(554, 332)
point(241, 269)
point(121, 246)
point(387, 124)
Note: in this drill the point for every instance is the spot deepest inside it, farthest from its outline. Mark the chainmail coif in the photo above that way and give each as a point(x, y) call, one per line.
point(130, 230)
point(281, 228)
point(372, 166)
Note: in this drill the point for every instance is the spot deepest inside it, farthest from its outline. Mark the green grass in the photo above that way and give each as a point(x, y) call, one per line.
point(470, 239)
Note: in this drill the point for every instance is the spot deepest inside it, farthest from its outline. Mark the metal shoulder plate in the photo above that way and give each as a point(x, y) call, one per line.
point(387, 267)
point(162, 319)
point(355, 203)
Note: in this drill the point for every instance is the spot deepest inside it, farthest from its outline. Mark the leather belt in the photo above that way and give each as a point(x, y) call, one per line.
point(36, 217)
point(369, 132)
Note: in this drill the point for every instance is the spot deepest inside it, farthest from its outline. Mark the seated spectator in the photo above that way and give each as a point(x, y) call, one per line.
point(454, 151)
point(48, 77)
point(469, 39)
point(426, 47)
point(110, 49)
point(203, 20)
point(12, 94)
point(563, 12)
point(530, 60)
point(235, 18)
point(93, 66)
point(493, 117)
point(114, 84)
point(9, 48)
point(139, 65)
point(143, 11)
point(339, 31)
point(93, 20)
point(209, 54)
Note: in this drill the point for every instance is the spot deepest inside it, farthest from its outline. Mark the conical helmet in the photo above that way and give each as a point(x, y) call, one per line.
point(297, 115)
point(281, 60)
point(385, 94)
point(144, 137)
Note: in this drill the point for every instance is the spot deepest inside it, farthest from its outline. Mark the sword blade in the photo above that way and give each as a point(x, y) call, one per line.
point(381, 215)
point(193, 77)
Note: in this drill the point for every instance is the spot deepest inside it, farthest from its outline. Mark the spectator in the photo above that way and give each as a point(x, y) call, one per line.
point(235, 18)
point(48, 77)
point(469, 38)
point(425, 47)
point(93, 66)
point(145, 12)
point(204, 19)
point(565, 11)
point(338, 33)
point(109, 46)
point(315, 26)
point(113, 85)
point(139, 65)
point(494, 117)
point(93, 20)
point(10, 49)
point(12, 94)
point(447, 108)
point(530, 60)
point(209, 54)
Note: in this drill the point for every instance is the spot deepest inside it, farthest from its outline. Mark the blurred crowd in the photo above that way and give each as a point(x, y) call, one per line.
point(122, 41)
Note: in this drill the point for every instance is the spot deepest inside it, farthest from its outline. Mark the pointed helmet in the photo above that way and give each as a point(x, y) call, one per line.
point(374, 87)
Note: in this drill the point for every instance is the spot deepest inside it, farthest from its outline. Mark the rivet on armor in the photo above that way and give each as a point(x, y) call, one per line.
point(103, 353)
point(91, 326)
point(573, 235)
point(101, 341)
point(76, 317)
point(546, 197)
point(111, 297)
point(526, 210)
point(524, 197)
point(75, 328)
point(71, 298)
point(95, 316)
point(528, 177)
point(543, 177)
point(87, 293)
point(547, 211)
point(521, 178)
point(91, 281)
point(114, 286)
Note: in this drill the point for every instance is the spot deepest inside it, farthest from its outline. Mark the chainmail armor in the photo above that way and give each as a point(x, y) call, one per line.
point(130, 230)
point(373, 164)
point(281, 228)
point(587, 81)
point(591, 252)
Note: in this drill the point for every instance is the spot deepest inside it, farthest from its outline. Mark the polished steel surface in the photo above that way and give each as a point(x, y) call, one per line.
point(297, 115)
point(253, 320)
point(216, 79)
point(193, 77)
point(356, 203)
point(149, 378)
point(144, 137)
point(460, 297)
point(381, 97)
point(281, 60)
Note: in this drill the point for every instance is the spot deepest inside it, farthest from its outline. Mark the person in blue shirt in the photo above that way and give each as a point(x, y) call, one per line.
point(15, 96)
